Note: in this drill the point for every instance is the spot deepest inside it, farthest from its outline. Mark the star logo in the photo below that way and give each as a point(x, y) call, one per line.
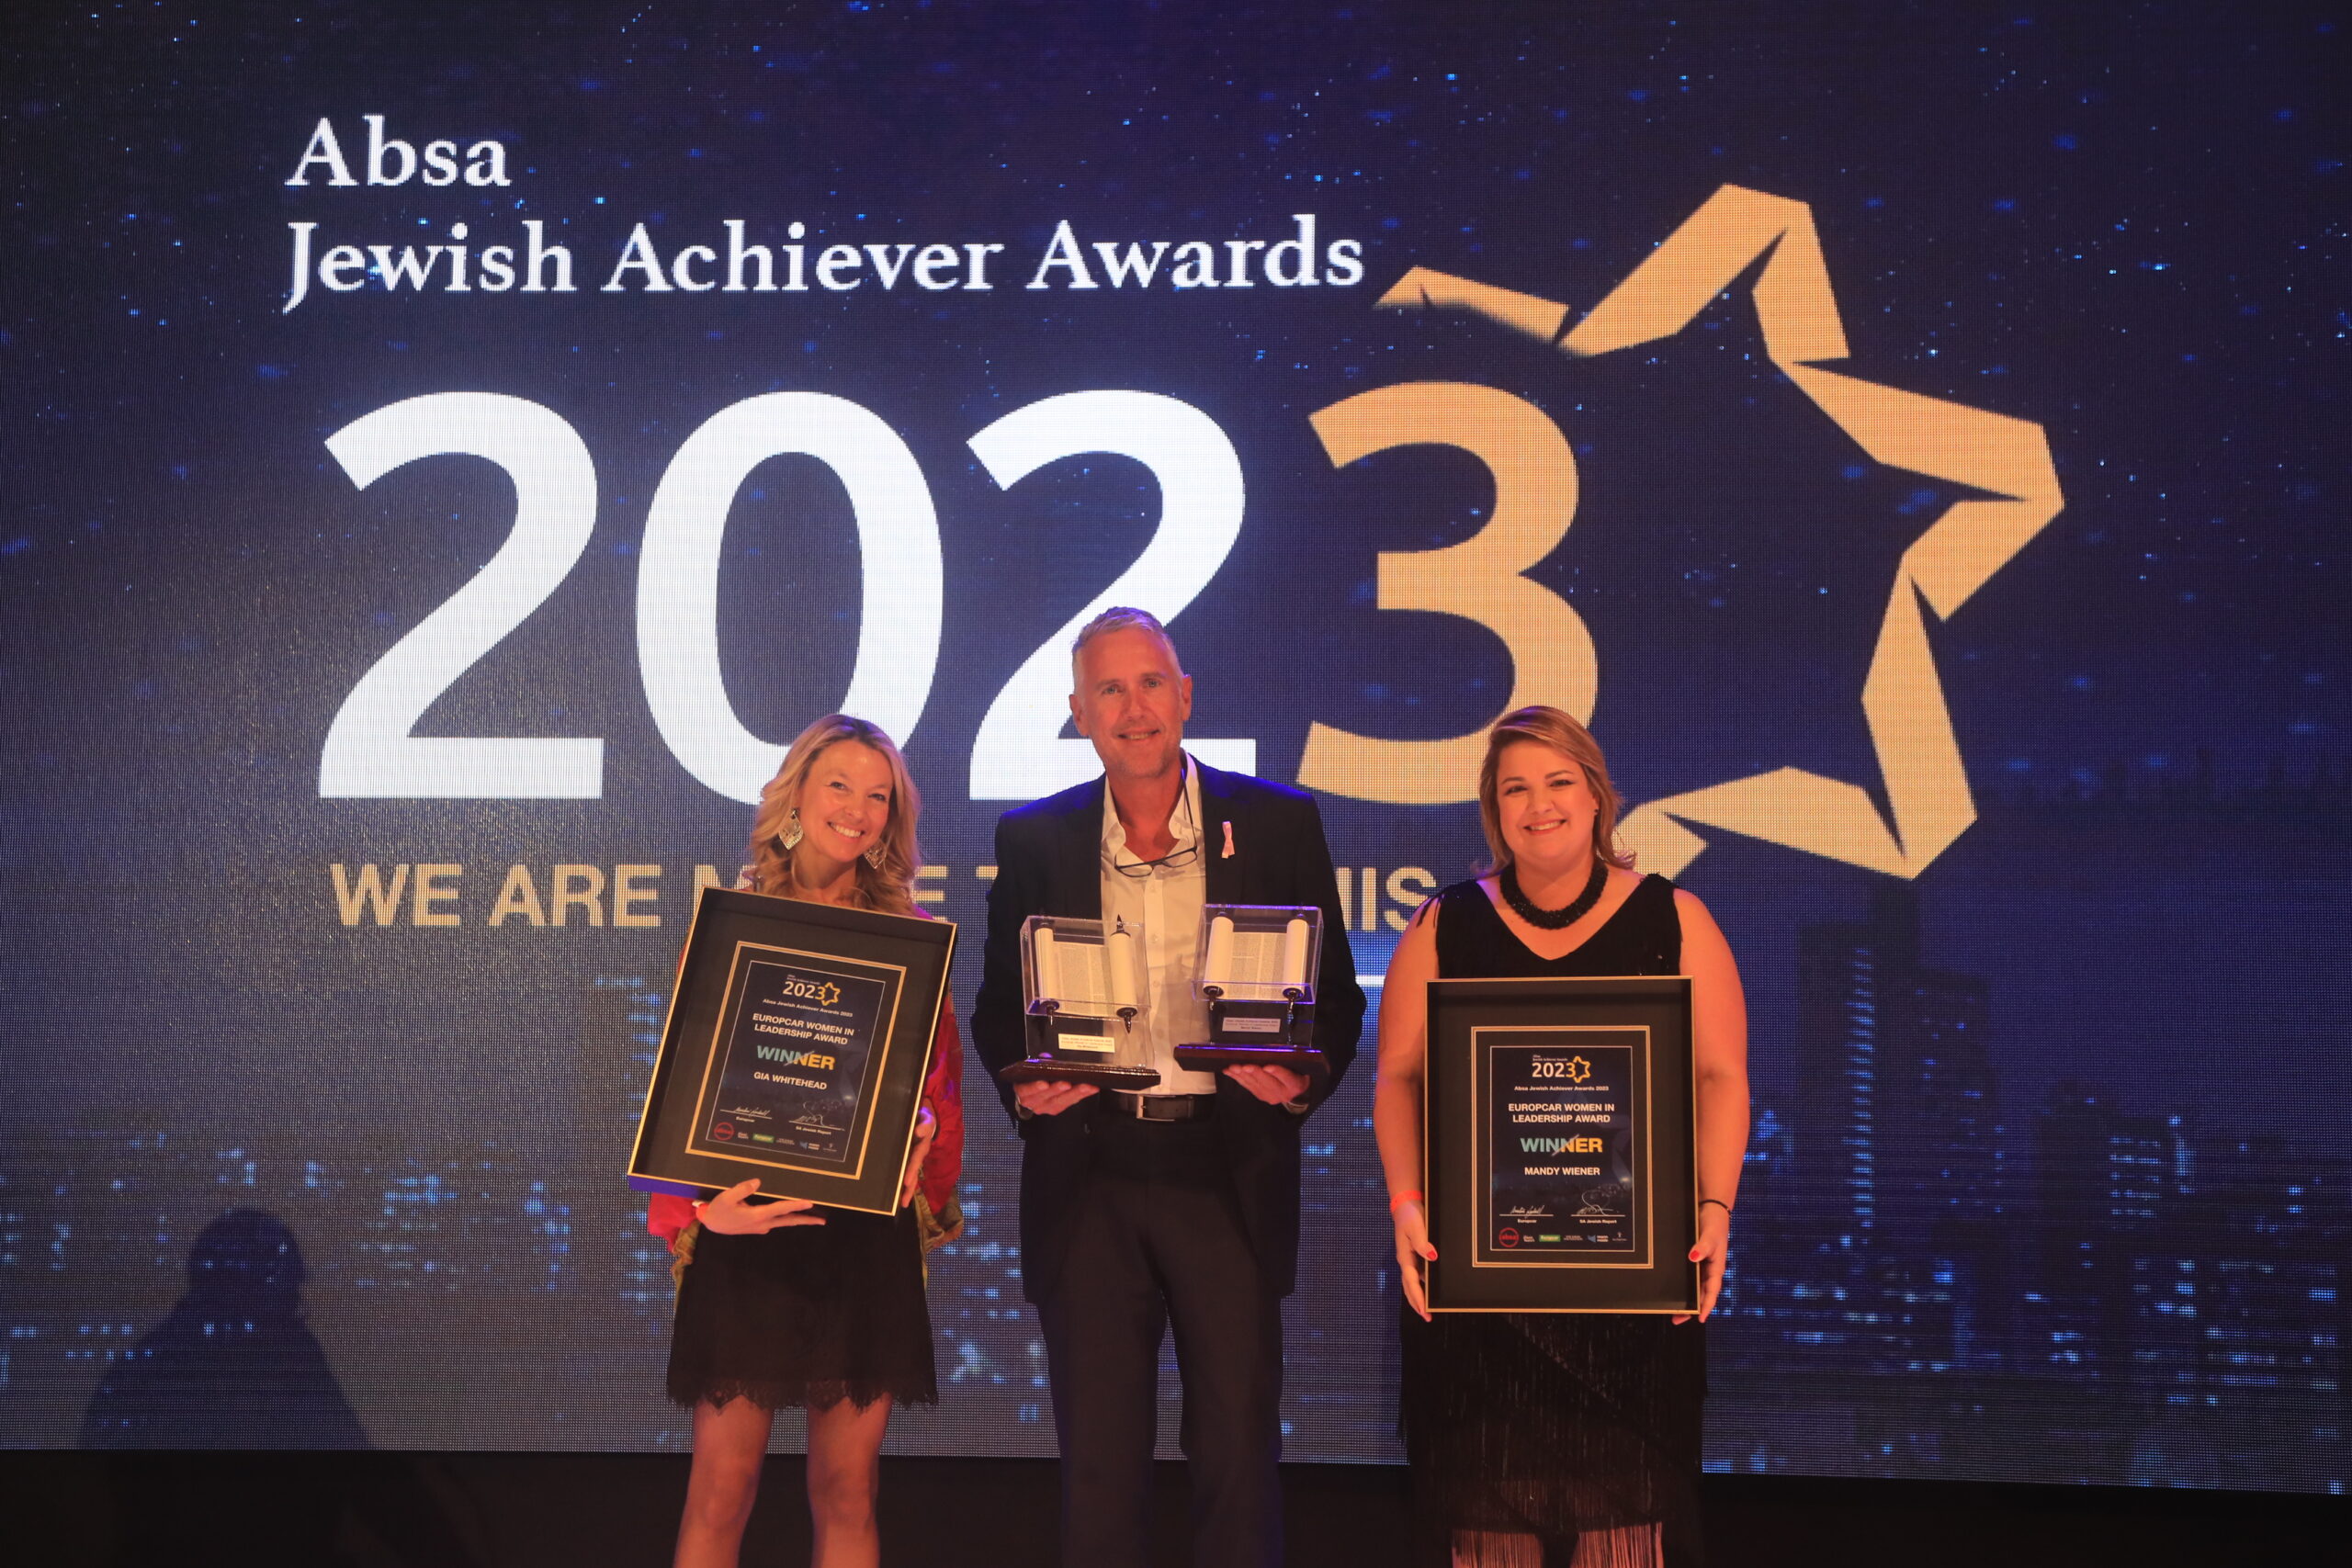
point(1578, 1070)
point(2005, 460)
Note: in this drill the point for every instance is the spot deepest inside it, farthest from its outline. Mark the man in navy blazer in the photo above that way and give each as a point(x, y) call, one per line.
point(1178, 1206)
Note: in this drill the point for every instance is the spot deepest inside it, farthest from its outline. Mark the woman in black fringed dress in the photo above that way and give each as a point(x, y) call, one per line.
point(779, 1305)
point(1557, 1440)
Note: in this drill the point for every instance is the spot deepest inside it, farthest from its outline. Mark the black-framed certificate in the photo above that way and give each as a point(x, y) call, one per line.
point(795, 1048)
point(1559, 1146)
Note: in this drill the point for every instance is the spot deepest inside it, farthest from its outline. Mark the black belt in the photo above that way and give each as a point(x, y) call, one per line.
point(1162, 1107)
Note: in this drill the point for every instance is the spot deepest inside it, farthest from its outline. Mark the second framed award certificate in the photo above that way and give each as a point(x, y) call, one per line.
point(1559, 1140)
point(797, 1044)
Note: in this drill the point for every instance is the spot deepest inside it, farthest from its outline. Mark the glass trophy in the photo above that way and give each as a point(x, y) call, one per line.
point(1085, 988)
point(1257, 972)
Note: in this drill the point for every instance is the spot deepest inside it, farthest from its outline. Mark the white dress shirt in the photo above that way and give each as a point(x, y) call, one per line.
point(1163, 909)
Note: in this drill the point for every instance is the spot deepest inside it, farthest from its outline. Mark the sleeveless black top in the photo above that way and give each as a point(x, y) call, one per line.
point(1643, 937)
point(1554, 1424)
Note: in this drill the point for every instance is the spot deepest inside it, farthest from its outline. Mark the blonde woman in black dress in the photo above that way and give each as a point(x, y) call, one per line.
point(1557, 1440)
point(780, 1304)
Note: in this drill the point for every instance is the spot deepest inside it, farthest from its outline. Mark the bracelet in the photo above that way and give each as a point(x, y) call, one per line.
point(1402, 1199)
point(1718, 1203)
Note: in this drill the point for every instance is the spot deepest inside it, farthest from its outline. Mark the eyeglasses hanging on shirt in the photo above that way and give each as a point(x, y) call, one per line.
point(1180, 826)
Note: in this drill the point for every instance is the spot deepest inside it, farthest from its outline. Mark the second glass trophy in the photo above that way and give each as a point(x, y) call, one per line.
point(1256, 969)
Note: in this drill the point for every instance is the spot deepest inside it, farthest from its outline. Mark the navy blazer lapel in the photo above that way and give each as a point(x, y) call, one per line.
point(1077, 889)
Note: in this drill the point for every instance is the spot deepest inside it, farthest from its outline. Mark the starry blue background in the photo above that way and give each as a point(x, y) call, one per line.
point(2123, 222)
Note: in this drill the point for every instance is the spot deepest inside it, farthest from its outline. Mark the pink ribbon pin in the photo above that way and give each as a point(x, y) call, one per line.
point(1228, 840)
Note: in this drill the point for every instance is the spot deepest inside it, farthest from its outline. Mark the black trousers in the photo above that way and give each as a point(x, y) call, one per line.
point(1158, 1242)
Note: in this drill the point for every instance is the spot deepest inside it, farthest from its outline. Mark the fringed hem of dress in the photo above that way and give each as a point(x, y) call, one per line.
point(817, 1395)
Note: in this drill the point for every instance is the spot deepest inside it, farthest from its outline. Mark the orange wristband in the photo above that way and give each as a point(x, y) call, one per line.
point(1402, 1199)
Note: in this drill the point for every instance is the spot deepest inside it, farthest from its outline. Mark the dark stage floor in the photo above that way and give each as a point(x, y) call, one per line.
point(503, 1510)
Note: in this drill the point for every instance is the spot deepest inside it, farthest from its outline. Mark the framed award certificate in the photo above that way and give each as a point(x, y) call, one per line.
point(1559, 1146)
point(795, 1048)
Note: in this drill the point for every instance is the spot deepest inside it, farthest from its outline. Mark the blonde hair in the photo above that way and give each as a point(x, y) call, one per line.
point(1561, 732)
point(889, 886)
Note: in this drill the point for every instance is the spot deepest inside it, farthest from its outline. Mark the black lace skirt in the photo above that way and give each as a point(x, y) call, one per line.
point(1554, 1425)
point(808, 1315)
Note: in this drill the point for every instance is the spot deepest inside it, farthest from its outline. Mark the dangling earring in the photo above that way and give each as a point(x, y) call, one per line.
point(874, 857)
point(791, 834)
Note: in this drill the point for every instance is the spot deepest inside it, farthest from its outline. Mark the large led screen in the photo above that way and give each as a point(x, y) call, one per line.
point(447, 454)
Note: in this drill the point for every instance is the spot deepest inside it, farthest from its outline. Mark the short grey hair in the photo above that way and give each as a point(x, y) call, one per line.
point(1119, 618)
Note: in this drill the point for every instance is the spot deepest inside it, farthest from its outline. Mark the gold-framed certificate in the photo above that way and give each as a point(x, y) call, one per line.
point(1559, 1146)
point(796, 1044)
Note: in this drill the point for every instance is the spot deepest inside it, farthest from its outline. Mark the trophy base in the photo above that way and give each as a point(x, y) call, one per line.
point(1214, 1058)
point(1102, 1075)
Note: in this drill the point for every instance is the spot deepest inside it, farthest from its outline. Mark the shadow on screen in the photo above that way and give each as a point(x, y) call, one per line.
point(234, 1371)
point(233, 1365)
